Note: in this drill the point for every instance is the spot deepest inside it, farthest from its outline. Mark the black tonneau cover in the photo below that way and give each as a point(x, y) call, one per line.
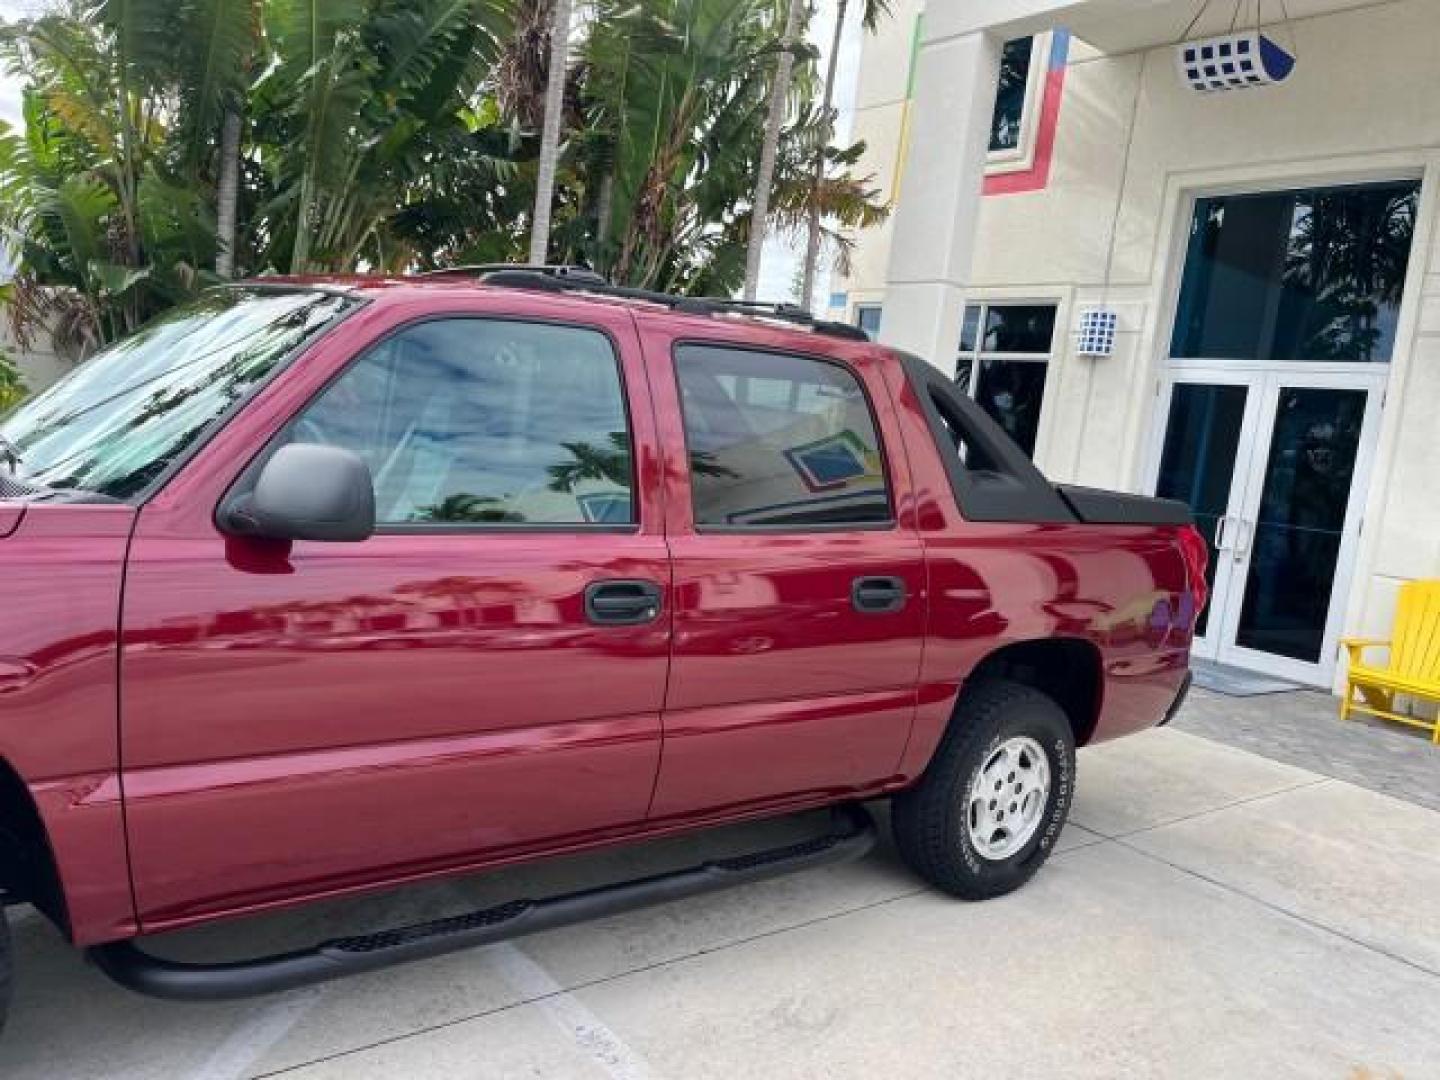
point(1094, 506)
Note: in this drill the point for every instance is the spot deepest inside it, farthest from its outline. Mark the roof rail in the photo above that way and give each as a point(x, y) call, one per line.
point(580, 279)
point(577, 273)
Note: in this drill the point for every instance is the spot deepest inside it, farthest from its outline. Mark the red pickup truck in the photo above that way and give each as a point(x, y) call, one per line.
point(314, 587)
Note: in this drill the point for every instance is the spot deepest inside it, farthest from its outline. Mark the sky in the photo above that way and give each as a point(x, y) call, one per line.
point(9, 84)
point(782, 254)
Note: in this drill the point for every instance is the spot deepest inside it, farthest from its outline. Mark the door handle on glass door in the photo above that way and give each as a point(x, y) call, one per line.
point(1242, 545)
point(1220, 524)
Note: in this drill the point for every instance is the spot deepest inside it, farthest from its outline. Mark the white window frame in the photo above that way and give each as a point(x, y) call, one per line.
point(1021, 158)
point(867, 305)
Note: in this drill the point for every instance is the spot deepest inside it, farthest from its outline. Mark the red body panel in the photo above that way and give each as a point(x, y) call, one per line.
point(60, 580)
point(296, 723)
point(1122, 588)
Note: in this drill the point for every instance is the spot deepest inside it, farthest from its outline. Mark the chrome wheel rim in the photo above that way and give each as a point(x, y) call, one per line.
point(1007, 798)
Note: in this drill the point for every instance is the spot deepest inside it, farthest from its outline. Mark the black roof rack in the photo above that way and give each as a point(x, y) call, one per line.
point(582, 279)
point(481, 270)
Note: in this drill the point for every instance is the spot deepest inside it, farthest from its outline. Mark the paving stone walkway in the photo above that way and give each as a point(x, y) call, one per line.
point(1304, 728)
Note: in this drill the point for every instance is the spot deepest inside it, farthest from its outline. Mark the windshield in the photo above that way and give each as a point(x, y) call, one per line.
point(120, 419)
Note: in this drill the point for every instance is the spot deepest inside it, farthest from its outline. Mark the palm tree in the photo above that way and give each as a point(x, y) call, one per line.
point(363, 105)
point(550, 138)
point(779, 92)
point(870, 17)
point(219, 40)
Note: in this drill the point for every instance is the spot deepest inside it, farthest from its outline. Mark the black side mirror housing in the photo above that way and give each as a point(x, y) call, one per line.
point(306, 491)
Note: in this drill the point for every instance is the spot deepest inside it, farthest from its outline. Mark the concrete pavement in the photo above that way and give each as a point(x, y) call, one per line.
point(1211, 913)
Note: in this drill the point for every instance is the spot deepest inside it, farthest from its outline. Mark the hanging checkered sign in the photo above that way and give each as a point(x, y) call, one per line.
point(1233, 62)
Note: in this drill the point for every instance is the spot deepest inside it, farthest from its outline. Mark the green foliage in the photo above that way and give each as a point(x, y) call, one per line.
point(389, 135)
point(12, 383)
point(12, 386)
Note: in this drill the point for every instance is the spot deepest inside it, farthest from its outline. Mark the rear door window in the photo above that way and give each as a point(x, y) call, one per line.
point(777, 440)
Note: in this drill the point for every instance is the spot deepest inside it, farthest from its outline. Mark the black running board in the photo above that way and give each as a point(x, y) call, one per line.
point(132, 967)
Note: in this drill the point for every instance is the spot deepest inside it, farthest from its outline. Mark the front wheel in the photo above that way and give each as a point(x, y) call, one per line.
point(987, 812)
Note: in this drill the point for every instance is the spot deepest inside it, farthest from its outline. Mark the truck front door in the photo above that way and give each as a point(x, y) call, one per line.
point(301, 720)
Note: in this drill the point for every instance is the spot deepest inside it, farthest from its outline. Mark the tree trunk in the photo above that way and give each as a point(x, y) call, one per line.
point(604, 210)
point(550, 135)
point(812, 236)
point(774, 119)
point(227, 193)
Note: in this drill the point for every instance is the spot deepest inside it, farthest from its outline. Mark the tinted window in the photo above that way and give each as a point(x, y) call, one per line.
point(481, 421)
point(1012, 391)
point(1009, 119)
point(1297, 275)
point(867, 317)
point(1019, 328)
point(778, 440)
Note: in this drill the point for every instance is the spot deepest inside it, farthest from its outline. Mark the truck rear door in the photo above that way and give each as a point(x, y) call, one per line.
point(800, 599)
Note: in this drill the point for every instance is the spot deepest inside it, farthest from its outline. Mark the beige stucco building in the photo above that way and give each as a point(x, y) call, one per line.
point(1270, 253)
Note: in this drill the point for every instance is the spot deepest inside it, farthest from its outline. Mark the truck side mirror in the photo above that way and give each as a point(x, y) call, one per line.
point(306, 491)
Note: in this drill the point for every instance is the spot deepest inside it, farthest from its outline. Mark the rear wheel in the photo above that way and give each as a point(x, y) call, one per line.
point(987, 812)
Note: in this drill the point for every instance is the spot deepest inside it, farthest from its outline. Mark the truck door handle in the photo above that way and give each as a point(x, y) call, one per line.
point(877, 595)
point(622, 602)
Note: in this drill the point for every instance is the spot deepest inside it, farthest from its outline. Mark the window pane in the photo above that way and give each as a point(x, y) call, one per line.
point(481, 421)
point(1011, 392)
point(1296, 546)
point(867, 317)
point(1299, 275)
point(964, 373)
point(1197, 465)
point(1015, 61)
point(807, 456)
point(970, 328)
point(1019, 328)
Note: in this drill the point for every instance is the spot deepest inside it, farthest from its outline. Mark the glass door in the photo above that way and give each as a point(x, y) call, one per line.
point(1209, 428)
point(1293, 543)
point(1274, 466)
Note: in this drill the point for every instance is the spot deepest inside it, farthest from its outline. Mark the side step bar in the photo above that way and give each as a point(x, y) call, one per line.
point(852, 836)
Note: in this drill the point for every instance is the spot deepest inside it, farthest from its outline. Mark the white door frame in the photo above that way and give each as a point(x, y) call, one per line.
point(1372, 384)
point(1265, 382)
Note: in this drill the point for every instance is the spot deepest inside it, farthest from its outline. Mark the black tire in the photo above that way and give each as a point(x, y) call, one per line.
point(6, 970)
point(930, 819)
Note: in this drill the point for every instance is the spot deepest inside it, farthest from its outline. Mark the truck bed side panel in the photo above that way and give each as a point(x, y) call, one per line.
point(1121, 589)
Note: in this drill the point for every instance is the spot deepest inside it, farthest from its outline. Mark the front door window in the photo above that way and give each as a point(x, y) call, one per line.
point(475, 422)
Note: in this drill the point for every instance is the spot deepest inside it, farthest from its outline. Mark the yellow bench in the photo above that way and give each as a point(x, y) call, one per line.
point(1414, 661)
